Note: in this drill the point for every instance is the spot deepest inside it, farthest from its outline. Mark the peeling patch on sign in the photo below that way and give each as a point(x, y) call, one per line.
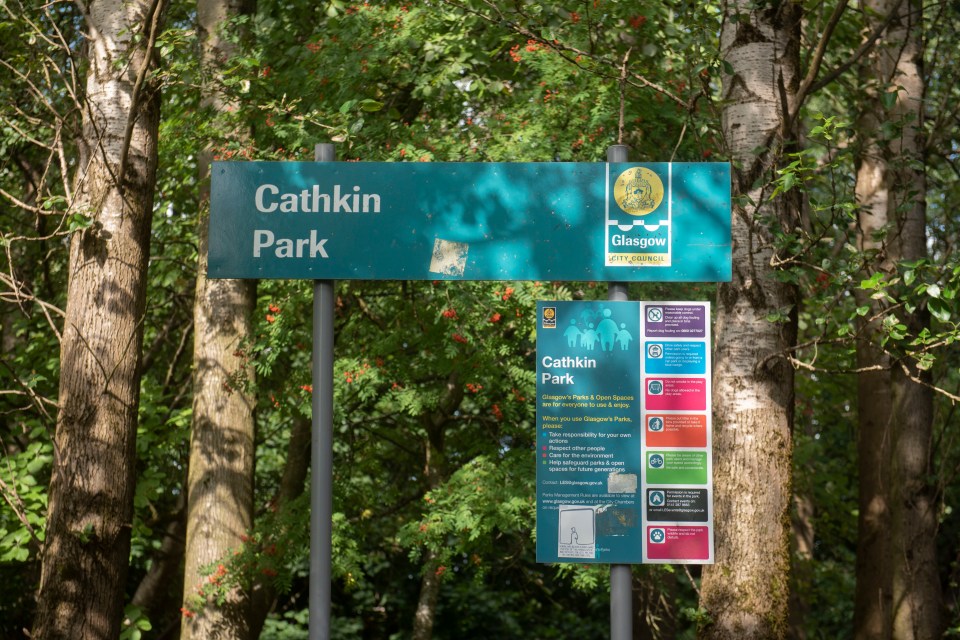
point(449, 258)
point(622, 483)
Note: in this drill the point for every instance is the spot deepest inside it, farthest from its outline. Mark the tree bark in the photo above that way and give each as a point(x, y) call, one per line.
point(91, 492)
point(430, 579)
point(801, 568)
point(156, 588)
point(872, 598)
point(746, 592)
point(898, 587)
point(427, 602)
point(917, 599)
point(220, 481)
point(292, 485)
point(436, 473)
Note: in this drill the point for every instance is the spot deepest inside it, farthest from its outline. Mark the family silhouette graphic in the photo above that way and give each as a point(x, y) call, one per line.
point(587, 333)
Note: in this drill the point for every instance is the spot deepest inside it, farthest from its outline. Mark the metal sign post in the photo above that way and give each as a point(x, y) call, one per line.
point(321, 447)
point(621, 575)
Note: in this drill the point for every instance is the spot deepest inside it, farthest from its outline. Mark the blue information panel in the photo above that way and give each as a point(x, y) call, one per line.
point(589, 461)
point(624, 438)
point(471, 221)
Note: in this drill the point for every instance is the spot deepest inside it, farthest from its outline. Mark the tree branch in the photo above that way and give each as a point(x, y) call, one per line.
point(153, 17)
point(864, 47)
point(817, 60)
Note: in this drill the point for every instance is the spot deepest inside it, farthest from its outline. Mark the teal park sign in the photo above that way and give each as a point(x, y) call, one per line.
point(656, 222)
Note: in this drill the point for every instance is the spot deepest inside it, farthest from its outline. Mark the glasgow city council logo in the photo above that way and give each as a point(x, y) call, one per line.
point(638, 191)
point(549, 317)
point(638, 212)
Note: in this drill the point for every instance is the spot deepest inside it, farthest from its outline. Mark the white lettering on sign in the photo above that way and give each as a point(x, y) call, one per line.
point(289, 247)
point(549, 378)
point(269, 199)
point(619, 240)
point(566, 362)
point(569, 362)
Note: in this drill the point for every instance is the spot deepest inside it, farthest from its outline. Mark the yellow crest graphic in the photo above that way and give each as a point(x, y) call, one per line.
point(549, 318)
point(638, 191)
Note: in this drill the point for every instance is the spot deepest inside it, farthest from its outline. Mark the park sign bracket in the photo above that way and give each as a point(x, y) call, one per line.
point(556, 221)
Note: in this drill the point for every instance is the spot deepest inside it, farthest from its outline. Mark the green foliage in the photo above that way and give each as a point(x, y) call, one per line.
point(22, 530)
point(434, 382)
point(474, 508)
point(134, 623)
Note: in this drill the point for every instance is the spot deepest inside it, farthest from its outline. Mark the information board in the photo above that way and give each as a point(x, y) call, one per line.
point(624, 466)
point(471, 221)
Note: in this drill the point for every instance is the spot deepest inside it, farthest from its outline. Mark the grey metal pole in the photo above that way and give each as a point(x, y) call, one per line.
point(621, 575)
point(321, 447)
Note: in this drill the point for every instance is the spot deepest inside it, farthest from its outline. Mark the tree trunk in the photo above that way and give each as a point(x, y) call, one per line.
point(872, 596)
point(434, 470)
point(292, 485)
point(917, 600)
point(430, 579)
point(220, 481)
point(155, 590)
point(746, 592)
point(891, 188)
point(802, 566)
point(91, 492)
point(429, 594)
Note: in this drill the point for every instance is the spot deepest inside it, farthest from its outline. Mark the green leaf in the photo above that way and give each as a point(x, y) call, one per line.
point(939, 310)
point(77, 221)
point(789, 180)
point(874, 282)
point(889, 98)
point(926, 362)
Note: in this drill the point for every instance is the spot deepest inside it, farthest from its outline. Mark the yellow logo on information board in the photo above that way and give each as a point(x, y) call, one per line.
point(549, 318)
point(638, 191)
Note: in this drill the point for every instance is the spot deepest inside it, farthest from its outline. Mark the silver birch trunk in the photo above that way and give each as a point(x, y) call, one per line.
point(81, 594)
point(745, 593)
